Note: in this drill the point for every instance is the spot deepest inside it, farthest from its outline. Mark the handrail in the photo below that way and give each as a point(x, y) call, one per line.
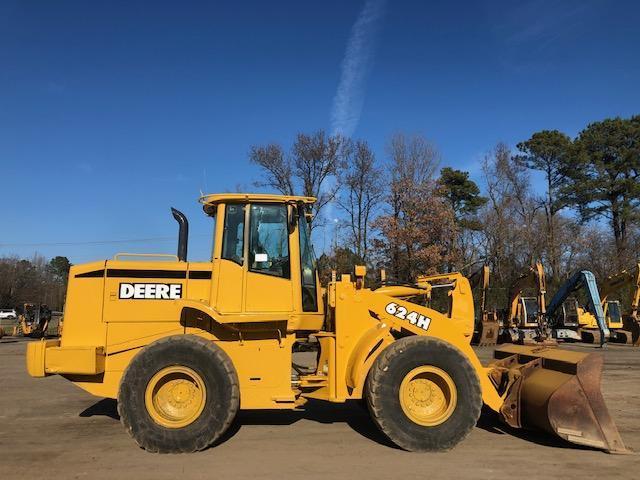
point(169, 257)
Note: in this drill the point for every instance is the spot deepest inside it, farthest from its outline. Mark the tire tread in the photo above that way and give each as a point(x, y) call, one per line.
point(135, 422)
point(376, 396)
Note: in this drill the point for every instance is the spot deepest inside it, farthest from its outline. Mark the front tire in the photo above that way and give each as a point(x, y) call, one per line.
point(424, 394)
point(178, 395)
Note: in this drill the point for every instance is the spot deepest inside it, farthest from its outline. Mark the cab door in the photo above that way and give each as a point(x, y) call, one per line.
point(231, 265)
point(268, 283)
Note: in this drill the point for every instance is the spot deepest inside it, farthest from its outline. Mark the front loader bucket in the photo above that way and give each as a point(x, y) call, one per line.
point(557, 391)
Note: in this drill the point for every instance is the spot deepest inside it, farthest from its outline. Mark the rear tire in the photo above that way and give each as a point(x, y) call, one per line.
point(424, 394)
point(178, 395)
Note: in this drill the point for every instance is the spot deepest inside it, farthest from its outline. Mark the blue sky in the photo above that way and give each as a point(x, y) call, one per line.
point(110, 113)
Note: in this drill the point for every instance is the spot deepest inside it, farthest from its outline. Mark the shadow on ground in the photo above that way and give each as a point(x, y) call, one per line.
point(490, 422)
point(107, 407)
point(352, 414)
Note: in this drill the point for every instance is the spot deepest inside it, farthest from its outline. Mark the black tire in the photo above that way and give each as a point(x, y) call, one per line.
point(215, 368)
point(383, 387)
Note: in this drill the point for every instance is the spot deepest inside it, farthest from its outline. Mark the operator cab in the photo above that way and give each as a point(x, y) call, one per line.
point(613, 314)
point(570, 317)
point(528, 312)
point(262, 249)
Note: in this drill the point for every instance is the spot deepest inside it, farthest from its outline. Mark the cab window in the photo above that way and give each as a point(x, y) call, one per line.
point(531, 308)
point(307, 265)
point(233, 236)
point(269, 240)
point(213, 236)
point(613, 312)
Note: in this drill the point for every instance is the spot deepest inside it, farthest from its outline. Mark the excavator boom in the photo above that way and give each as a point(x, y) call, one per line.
point(582, 279)
point(487, 326)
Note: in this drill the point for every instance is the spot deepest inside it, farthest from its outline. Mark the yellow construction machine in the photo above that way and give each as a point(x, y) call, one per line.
point(487, 326)
point(623, 325)
point(183, 345)
point(524, 321)
point(571, 321)
point(33, 321)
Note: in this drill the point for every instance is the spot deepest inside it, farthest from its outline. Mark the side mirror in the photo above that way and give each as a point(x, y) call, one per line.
point(292, 219)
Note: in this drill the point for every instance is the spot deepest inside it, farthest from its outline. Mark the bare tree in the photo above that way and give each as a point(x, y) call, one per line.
point(310, 169)
point(510, 240)
point(317, 159)
point(414, 158)
point(277, 168)
point(548, 151)
point(362, 183)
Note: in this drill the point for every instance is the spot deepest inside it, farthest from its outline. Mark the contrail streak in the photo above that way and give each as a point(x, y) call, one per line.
point(356, 64)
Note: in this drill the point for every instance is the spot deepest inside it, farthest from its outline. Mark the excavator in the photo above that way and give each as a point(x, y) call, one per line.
point(182, 345)
point(524, 321)
point(624, 326)
point(487, 324)
point(569, 320)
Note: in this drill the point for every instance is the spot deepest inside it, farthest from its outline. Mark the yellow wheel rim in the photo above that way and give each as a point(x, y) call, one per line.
point(428, 395)
point(175, 397)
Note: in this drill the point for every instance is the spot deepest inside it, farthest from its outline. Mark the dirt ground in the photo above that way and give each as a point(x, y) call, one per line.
point(51, 429)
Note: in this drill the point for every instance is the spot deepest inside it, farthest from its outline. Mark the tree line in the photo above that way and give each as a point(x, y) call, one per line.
point(572, 203)
point(34, 280)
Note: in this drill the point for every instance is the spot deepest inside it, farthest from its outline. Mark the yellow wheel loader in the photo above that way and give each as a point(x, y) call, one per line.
point(183, 345)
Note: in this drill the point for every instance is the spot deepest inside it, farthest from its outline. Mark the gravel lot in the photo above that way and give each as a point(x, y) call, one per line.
point(51, 429)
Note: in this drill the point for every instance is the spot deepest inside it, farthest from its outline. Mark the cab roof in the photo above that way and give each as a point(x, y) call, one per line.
point(210, 201)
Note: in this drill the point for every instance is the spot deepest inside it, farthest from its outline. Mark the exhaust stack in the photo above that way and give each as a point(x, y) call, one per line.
point(183, 233)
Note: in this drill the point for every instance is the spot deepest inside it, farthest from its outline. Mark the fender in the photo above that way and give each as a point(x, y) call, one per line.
point(374, 341)
point(185, 304)
point(197, 305)
point(438, 326)
point(199, 318)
